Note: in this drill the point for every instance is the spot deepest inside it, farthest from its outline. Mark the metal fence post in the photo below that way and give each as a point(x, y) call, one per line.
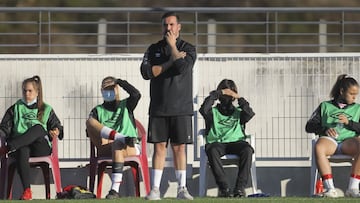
point(211, 36)
point(101, 49)
point(322, 36)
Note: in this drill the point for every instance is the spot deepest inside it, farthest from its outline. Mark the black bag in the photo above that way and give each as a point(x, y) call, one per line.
point(75, 192)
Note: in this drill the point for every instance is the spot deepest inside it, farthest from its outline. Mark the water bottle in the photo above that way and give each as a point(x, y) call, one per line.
point(339, 126)
point(319, 187)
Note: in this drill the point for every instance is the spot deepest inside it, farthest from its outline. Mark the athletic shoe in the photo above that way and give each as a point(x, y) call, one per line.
point(183, 194)
point(27, 194)
point(154, 194)
point(352, 193)
point(224, 192)
point(239, 193)
point(112, 195)
point(331, 193)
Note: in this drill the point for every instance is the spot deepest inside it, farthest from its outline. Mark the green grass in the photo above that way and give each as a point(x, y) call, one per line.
point(209, 200)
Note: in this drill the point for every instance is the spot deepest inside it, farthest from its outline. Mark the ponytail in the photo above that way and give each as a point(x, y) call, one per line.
point(343, 83)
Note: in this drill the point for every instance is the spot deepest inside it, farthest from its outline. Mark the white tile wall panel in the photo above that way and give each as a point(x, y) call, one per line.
point(283, 90)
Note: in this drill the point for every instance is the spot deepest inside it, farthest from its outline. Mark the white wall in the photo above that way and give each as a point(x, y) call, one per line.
point(283, 90)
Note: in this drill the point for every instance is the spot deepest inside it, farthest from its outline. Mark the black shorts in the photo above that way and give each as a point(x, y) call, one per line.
point(176, 129)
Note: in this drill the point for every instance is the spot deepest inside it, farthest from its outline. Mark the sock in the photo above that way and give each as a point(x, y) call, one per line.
point(328, 181)
point(181, 177)
point(116, 176)
point(354, 182)
point(108, 133)
point(116, 179)
point(157, 174)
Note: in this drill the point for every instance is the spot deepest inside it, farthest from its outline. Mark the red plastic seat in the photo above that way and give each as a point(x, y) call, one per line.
point(44, 162)
point(138, 164)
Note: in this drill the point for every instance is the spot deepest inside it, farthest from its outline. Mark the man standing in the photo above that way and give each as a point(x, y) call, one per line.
point(168, 65)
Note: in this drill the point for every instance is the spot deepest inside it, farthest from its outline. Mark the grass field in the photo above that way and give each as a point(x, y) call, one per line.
point(209, 200)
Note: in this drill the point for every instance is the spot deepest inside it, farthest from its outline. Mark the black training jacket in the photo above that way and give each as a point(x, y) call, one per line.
point(171, 91)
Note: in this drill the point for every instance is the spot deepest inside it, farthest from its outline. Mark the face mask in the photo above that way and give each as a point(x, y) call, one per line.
point(226, 100)
point(108, 95)
point(29, 103)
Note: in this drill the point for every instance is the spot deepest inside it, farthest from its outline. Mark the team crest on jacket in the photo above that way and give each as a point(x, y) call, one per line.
point(228, 122)
point(337, 114)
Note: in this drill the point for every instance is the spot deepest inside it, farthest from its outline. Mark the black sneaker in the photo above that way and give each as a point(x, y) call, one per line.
point(112, 195)
point(224, 192)
point(130, 141)
point(238, 193)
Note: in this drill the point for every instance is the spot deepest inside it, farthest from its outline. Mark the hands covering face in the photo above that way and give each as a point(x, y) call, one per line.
point(230, 93)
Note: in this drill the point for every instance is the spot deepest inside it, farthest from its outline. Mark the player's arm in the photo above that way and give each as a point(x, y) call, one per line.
point(148, 69)
point(313, 125)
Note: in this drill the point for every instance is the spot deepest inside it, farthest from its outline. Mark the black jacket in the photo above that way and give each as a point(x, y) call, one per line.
point(7, 122)
point(313, 125)
point(171, 91)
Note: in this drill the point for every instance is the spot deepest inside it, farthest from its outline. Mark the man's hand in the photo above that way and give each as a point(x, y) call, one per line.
point(180, 54)
point(170, 38)
point(156, 70)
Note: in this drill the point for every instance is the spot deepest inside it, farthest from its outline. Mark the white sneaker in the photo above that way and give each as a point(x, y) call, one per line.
point(331, 193)
point(352, 193)
point(154, 194)
point(184, 194)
